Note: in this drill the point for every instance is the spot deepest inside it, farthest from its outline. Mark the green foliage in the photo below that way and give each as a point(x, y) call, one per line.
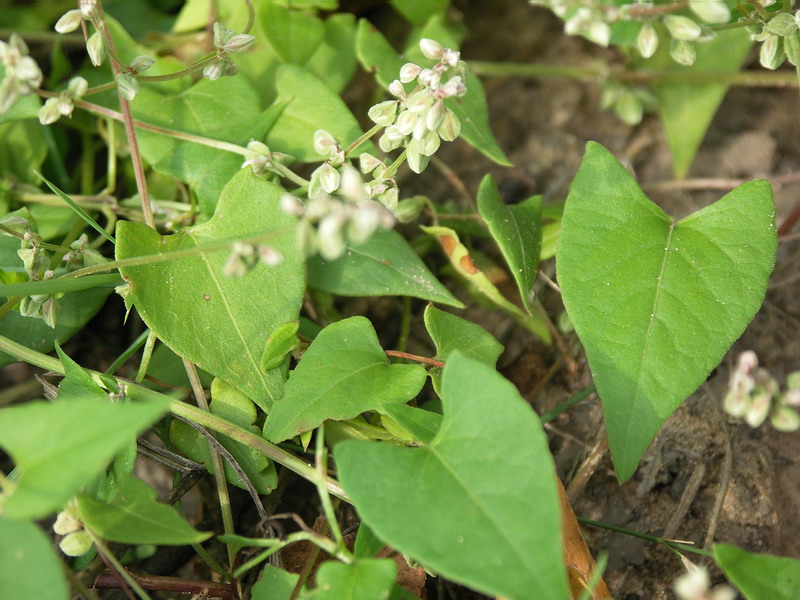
point(226, 110)
point(84, 433)
point(311, 105)
point(657, 304)
point(517, 231)
point(222, 324)
point(478, 503)
point(364, 579)
point(394, 268)
point(294, 35)
point(343, 373)
point(134, 516)
point(759, 576)
point(235, 407)
point(28, 565)
point(686, 109)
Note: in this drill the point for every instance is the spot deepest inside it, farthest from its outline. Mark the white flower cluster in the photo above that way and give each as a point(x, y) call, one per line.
point(420, 120)
point(76, 540)
point(22, 74)
point(755, 395)
point(780, 37)
point(341, 206)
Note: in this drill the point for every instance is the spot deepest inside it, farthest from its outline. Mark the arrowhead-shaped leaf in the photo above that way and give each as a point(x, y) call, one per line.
point(477, 504)
point(220, 323)
point(760, 576)
point(135, 517)
point(343, 373)
point(518, 233)
point(29, 567)
point(656, 303)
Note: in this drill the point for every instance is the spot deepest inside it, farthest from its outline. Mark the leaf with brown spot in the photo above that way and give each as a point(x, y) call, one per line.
point(460, 258)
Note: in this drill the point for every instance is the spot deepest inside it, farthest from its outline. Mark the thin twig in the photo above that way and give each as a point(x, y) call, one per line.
point(725, 474)
point(420, 359)
point(206, 589)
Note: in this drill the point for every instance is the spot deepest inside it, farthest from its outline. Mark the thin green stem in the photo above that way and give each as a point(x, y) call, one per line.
point(651, 538)
point(101, 547)
point(144, 364)
point(567, 404)
point(363, 138)
point(130, 351)
point(219, 468)
point(287, 173)
point(390, 172)
point(173, 254)
point(599, 72)
point(321, 463)
point(187, 411)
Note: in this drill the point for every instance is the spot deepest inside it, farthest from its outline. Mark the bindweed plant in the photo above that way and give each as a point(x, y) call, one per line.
point(213, 177)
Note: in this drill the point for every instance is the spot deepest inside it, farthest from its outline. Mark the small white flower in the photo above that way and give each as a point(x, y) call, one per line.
point(431, 48)
point(396, 89)
point(409, 72)
point(682, 28)
point(324, 143)
point(647, 40)
point(69, 21)
point(96, 48)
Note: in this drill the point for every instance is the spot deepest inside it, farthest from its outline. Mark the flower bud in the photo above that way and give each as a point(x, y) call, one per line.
point(711, 11)
point(222, 35)
point(682, 28)
point(142, 63)
point(771, 55)
point(368, 163)
point(599, 32)
point(324, 143)
point(96, 48)
point(419, 101)
point(213, 71)
point(682, 52)
point(239, 43)
point(331, 238)
point(409, 72)
point(269, 256)
point(363, 223)
point(229, 68)
point(389, 198)
point(435, 116)
point(391, 139)
point(791, 45)
point(647, 40)
point(69, 21)
point(328, 178)
point(396, 89)
point(782, 24)
point(759, 409)
point(88, 8)
point(406, 122)
point(383, 113)
point(77, 87)
point(453, 88)
point(409, 209)
point(785, 419)
point(430, 78)
point(65, 522)
point(77, 543)
point(451, 57)
point(431, 48)
point(127, 85)
point(629, 107)
point(417, 161)
point(49, 113)
point(430, 143)
point(450, 127)
point(291, 205)
point(64, 104)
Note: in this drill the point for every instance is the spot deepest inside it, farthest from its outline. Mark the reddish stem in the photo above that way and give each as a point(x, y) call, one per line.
point(420, 359)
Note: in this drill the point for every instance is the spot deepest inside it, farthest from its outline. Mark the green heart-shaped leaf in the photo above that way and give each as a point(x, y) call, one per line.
point(220, 323)
point(656, 303)
point(478, 502)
